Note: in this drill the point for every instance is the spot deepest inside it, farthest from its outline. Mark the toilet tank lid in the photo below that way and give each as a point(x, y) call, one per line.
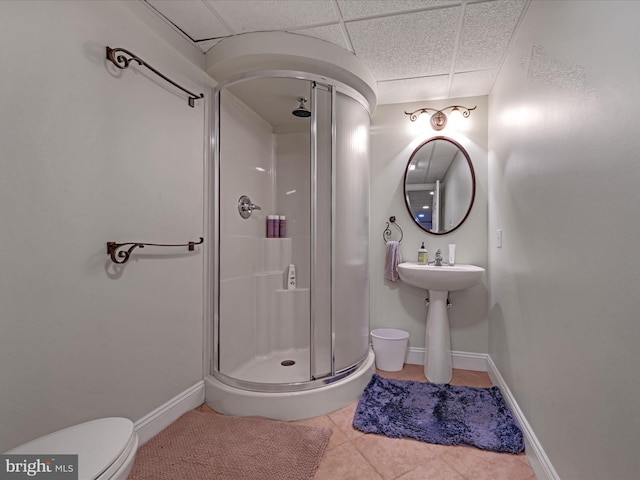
point(98, 444)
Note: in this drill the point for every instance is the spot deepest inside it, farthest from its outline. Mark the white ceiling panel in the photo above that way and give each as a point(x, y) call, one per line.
point(330, 33)
point(194, 18)
point(486, 32)
point(264, 15)
point(406, 46)
point(416, 49)
point(472, 84)
point(413, 89)
point(352, 9)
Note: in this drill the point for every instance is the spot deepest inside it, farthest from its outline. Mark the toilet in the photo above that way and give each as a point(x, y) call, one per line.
point(106, 447)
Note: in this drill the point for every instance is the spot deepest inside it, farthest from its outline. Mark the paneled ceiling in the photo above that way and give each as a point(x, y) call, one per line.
point(417, 49)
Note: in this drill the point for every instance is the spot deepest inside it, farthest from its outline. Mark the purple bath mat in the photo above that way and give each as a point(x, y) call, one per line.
point(442, 414)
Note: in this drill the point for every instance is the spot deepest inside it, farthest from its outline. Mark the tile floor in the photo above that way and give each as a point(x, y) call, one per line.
point(353, 455)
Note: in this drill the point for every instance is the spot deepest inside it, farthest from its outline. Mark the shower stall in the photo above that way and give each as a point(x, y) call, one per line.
point(295, 145)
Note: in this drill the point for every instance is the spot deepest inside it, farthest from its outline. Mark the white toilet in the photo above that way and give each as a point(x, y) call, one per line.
point(106, 447)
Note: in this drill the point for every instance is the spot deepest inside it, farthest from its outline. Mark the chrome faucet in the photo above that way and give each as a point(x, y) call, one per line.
point(438, 262)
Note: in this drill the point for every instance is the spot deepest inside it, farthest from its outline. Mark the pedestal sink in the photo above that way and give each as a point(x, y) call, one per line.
point(439, 281)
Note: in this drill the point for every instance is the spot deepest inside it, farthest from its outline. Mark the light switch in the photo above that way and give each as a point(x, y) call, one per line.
point(499, 238)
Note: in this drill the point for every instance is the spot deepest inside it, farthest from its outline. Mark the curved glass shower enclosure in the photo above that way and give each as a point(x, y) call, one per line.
point(269, 335)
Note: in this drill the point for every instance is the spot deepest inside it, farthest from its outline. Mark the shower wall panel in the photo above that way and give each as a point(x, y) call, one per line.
point(292, 186)
point(246, 147)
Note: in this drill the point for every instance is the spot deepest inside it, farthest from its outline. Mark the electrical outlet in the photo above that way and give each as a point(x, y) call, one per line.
point(499, 238)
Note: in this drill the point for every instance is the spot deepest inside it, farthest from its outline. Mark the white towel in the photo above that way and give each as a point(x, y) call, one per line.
point(392, 260)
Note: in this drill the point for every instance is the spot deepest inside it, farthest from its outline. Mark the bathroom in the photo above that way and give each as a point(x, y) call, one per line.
point(91, 155)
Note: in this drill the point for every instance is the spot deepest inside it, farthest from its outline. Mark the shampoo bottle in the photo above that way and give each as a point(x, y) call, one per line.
point(282, 226)
point(272, 227)
point(422, 255)
point(291, 278)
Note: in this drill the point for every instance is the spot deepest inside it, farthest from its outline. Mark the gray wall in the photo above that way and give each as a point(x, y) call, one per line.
point(92, 154)
point(396, 304)
point(563, 175)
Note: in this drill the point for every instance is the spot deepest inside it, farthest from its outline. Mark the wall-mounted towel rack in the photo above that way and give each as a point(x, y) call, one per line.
point(386, 235)
point(123, 256)
point(122, 62)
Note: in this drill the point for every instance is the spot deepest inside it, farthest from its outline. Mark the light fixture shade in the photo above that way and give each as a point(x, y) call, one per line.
point(455, 112)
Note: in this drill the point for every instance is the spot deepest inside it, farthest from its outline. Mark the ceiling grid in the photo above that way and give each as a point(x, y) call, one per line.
point(417, 49)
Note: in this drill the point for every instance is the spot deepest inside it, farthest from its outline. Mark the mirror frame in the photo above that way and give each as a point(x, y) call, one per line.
point(473, 182)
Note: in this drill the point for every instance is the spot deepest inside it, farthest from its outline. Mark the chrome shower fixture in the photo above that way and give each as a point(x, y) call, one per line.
point(301, 111)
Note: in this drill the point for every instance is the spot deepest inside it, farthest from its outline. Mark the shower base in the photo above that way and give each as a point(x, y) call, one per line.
point(283, 366)
point(296, 405)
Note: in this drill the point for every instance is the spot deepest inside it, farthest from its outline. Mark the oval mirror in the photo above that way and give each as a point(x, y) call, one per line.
point(439, 185)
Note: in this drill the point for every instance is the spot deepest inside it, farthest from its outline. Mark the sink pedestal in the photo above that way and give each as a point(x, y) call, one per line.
point(437, 363)
point(439, 281)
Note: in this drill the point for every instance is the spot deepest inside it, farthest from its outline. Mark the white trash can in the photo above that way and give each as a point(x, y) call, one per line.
point(389, 346)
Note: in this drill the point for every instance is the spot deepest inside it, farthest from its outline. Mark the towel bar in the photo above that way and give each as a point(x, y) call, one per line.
point(121, 257)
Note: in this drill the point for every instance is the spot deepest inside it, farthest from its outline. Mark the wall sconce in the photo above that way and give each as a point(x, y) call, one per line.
point(439, 118)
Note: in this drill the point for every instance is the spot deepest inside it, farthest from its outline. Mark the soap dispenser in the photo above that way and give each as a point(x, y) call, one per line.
point(422, 255)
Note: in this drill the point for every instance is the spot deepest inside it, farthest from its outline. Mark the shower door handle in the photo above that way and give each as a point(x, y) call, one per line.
point(246, 206)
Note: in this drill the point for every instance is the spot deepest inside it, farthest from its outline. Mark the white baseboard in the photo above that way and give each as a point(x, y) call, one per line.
point(462, 360)
point(160, 418)
point(538, 459)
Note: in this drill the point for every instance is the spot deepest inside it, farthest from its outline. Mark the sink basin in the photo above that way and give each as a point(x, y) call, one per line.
point(441, 279)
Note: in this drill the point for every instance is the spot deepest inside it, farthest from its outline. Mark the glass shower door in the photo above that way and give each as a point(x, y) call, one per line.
point(263, 327)
point(313, 170)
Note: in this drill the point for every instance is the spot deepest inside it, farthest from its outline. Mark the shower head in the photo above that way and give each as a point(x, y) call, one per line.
point(301, 111)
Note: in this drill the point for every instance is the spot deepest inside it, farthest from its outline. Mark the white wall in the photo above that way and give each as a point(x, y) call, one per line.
point(398, 305)
point(92, 154)
point(564, 176)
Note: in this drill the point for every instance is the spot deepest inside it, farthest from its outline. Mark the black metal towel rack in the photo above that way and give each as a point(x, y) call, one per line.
point(116, 56)
point(387, 231)
point(121, 256)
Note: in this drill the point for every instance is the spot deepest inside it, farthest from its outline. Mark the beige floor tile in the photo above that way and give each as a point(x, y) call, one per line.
point(408, 372)
point(204, 408)
point(343, 419)
point(469, 378)
point(392, 457)
point(510, 467)
point(344, 462)
point(478, 464)
point(337, 436)
point(435, 468)
point(466, 460)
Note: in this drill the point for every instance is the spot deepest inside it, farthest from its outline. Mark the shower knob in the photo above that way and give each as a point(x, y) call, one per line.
point(246, 206)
